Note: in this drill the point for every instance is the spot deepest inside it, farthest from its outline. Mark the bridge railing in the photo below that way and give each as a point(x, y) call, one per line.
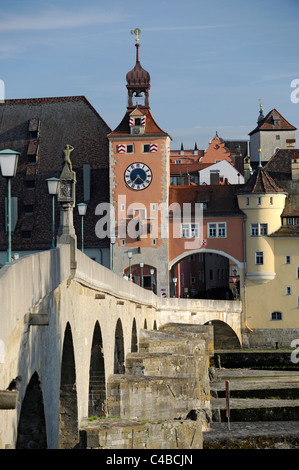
point(24, 283)
point(96, 276)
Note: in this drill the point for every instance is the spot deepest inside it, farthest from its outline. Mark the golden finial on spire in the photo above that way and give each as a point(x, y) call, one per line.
point(137, 32)
point(261, 104)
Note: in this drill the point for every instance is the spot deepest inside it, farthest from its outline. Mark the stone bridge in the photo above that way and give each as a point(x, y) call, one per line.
point(68, 325)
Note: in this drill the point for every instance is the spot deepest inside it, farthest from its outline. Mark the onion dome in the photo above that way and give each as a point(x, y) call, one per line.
point(138, 80)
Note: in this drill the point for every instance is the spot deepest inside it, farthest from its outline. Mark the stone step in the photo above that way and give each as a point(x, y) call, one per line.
point(171, 365)
point(252, 435)
point(144, 397)
point(246, 409)
point(162, 342)
point(120, 433)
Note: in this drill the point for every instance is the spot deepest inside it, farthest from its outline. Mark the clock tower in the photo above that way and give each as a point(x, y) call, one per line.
point(139, 188)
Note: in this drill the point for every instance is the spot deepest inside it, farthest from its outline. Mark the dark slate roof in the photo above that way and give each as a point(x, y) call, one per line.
point(221, 199)
point(151, 127)
point(268, 123)
point(280, 165)
point(260, 182)
point(63, 120)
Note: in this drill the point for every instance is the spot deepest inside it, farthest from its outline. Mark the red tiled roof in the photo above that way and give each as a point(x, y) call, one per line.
point(267, 124)
point(151, 127)
point(183, 168)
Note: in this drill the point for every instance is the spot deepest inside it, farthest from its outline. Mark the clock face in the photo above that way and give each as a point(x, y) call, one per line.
point(138, 176)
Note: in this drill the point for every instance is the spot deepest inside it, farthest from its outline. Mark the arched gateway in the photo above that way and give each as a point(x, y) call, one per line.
point(206, 273)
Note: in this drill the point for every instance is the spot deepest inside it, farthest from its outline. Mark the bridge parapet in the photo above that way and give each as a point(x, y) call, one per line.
point(26, 282)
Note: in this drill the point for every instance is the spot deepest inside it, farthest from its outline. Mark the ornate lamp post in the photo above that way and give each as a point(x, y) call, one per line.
point(130, 258)
point(152, 278)
point(175, 280)
point(141, 268)
point(8, 163)
point(82, 208)
point(52, 188)
point(112, 242)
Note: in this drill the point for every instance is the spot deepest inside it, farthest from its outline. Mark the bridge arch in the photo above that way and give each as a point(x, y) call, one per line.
point(134, 341)
point(97, 382)
point(176, 260)
point(224, 335)
point(197, 275)
point(32, 425)
point(68, 409)
point(119, 350)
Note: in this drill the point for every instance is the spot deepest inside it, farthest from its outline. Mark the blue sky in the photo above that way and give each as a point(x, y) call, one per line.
point(209, 61)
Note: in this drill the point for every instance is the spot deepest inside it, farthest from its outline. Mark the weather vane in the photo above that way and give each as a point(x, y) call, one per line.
point(137, 32)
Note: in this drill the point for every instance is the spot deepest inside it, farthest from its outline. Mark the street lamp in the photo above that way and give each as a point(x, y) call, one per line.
point(52, 189)
point(152, 278)
point(130, 257)
point(8, 163)
point(112, 241)
point(175, 280)
point(82, 208)
point(141, 267)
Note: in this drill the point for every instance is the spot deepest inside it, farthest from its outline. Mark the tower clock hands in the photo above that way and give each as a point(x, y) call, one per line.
point(138, 177)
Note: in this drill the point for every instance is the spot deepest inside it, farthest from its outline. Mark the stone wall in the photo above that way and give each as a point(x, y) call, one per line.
point(163, 399)
point(267, 338)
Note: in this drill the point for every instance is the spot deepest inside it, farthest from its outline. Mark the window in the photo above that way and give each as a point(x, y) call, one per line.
point(28, 209)
point(288, 259)
point(259, 201)
point(288, 290)
point(194, 230)
point(30, 184)
point(276, 316)
point(222, 230)
point(189, 230)
point(297, 272)
point(26, 235)
point(271, 200)
point(217, 230)
point(254, 230)
point(178, 161)
point(138, 121)
point(289, 221)
point(123, 148)
point(247, 201)
point(264, 229)
point(277, 137)
point(259, 257)
point(146, 148)
point(258, 229)
point(185, 231)
point(212, 230)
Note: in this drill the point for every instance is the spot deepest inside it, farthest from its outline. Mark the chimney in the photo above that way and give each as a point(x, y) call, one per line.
point(214, 178)
point(295, 167)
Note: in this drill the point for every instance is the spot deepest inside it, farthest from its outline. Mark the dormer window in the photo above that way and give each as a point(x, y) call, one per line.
point(137, 124)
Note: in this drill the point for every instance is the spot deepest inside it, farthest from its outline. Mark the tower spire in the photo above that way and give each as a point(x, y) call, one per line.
point(261, 115)
point(138, 79)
